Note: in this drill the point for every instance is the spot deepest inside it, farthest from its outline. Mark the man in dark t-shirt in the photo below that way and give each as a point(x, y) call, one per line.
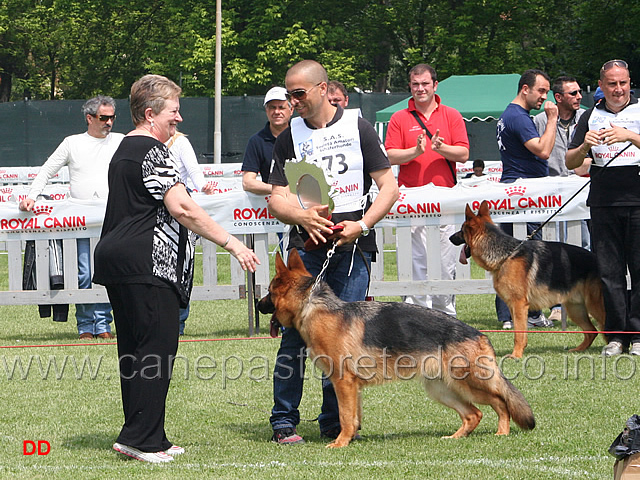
point(259, 151)
point(347, 150)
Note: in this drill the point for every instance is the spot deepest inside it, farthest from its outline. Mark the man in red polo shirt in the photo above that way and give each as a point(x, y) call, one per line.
point(426, 140)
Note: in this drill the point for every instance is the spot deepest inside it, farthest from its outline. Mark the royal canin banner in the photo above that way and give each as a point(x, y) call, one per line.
point(532, 200)
point(16, 193)
point(27, 174)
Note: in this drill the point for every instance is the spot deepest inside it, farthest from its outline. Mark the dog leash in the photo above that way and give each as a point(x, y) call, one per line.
point(330, 253)
point(531, 235)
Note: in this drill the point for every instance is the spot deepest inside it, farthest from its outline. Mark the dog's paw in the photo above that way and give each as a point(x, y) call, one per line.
point(337, 444)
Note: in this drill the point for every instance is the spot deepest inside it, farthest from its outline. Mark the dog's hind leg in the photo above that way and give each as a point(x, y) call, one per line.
point(595, 302)
point(444, 394)
point(578, 313)
point(347, 390)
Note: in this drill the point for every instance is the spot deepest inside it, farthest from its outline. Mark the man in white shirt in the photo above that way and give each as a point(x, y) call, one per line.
point(87, 155)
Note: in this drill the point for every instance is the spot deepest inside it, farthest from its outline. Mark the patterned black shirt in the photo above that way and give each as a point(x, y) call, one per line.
point(141, 242)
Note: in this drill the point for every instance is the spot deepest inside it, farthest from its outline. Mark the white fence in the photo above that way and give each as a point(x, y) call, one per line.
point(242, 285)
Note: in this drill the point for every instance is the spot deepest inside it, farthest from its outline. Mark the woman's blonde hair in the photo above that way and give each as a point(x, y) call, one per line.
point(151, 91)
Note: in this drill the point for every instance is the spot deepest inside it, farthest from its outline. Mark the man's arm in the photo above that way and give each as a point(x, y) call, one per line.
point(285, 207)
point(616, 134)
point(250, 183)
point(542, 146)
point(453, 153)
point(574, 158)
point(54, 163)
point(387, 196)
point(398, 156)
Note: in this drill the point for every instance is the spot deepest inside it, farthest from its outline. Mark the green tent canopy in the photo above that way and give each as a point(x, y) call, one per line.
point(476, 97)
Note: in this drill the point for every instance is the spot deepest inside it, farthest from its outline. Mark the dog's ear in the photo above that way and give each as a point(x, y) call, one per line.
point(484, 209)
point(468, 213)
point(295, 262)
point(280, 266)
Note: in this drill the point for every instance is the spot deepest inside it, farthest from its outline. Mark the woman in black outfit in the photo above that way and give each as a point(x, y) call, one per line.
point(145, 260)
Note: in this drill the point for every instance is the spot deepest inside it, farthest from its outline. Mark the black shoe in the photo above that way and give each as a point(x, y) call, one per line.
point(286, 436)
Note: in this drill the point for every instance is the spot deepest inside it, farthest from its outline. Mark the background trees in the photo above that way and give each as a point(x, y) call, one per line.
point(73, 49)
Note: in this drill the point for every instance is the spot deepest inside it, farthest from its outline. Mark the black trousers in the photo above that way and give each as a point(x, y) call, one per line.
point(615, 239)
point(146, 319)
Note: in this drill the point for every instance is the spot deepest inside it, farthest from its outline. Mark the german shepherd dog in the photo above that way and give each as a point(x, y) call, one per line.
point(535, 275)
point(358, 344)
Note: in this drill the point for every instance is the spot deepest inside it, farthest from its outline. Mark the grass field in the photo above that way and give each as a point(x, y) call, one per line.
point(56, 389)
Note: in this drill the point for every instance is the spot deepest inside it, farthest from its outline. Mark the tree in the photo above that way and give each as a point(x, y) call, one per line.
point(75, 49)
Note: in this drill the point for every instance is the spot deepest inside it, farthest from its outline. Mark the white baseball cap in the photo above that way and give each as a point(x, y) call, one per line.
point(276, 93)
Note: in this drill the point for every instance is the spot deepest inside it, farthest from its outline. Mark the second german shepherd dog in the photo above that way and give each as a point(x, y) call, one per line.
point(535, 275)
point(358, 344)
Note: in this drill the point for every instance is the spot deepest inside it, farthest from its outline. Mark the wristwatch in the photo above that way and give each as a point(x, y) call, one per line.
point(365, 229)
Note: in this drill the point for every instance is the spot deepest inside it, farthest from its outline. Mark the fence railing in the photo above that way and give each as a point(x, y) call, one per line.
point(396, 282)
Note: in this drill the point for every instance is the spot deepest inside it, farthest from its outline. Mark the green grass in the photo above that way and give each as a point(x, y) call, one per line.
point(221, 394)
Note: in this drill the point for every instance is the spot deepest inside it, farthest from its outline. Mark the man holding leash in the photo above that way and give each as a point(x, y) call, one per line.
point(609, 133)
point(427, 139)
point(347, 149)
point(524, 153)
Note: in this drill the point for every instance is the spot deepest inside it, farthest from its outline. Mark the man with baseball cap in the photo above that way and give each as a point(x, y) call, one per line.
point(258, 155)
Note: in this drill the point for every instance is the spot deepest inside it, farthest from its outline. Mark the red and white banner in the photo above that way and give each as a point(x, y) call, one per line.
point(27, 174)
point(532, 200)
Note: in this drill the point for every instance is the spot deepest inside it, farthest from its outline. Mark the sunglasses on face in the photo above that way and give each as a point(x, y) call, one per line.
point(614, 63)
point(573, 93)
point(300, 93)
point(105, 118)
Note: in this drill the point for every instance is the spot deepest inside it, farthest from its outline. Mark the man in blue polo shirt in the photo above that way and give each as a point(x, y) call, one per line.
point(524, 153)
point(258, 155)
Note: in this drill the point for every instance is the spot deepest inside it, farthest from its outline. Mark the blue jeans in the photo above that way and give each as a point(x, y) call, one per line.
point(502, 310)
point(184, 314)
point(288, 375)
point(92, 318)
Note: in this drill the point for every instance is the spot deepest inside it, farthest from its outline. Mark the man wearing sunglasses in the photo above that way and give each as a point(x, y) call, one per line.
point(87, 155)
point(567, 94)
point(347, 150)
point(609, 134)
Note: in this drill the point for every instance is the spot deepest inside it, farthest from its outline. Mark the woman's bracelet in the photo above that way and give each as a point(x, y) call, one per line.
point(224, 245)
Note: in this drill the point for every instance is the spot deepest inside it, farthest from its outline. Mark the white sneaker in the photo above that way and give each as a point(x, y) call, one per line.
point(612, 348)
point(174, 450)
point(540, 321)
point(151, 457)
point(635, 349)
point(507, 325)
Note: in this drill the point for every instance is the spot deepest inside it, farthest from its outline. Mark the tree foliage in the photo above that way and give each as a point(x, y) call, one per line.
point(74, 49)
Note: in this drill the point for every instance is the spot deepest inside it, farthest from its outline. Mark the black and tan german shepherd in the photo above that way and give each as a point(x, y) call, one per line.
point(533, 275)
point(358, 344)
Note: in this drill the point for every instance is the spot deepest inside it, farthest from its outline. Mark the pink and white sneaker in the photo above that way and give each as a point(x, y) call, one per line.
point(151, 457)
point(174, 450)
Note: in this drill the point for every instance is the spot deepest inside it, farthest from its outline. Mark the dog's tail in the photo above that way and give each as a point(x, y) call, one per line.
point(518, 407)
